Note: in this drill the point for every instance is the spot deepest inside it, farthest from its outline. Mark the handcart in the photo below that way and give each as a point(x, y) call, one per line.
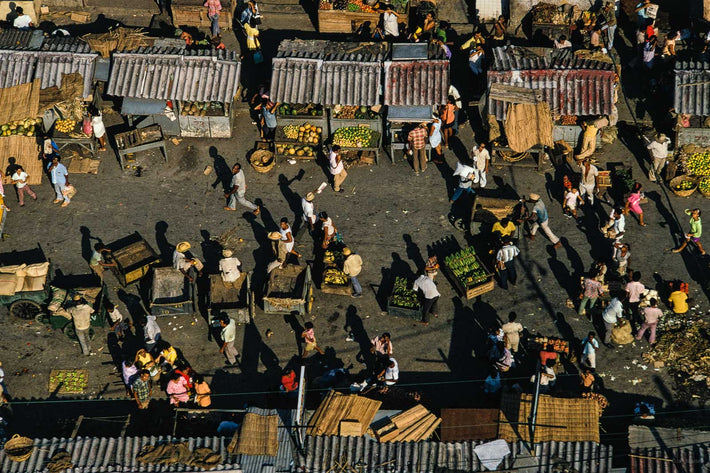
point(171, 293)
point(133, 257)
point(289, 290)
point(334, 280)
point(234, 299)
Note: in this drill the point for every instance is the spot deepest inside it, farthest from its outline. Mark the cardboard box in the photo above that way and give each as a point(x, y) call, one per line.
point(80, 17)
point(44, 10)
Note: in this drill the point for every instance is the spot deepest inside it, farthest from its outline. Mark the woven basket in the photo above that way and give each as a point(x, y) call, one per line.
point(683, 193)
point(19, 448)
point(265, 157)
point(704, 193)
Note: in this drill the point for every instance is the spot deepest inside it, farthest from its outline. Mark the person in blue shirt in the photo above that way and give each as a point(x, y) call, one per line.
point(540, 220)
point(60, 180)
point(492, 384)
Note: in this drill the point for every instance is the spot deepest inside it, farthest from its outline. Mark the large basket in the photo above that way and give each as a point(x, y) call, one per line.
point(265, 158)
point(19, 448)
point(686, 192)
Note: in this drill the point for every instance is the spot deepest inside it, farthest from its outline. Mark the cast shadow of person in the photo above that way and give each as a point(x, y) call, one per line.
point(165, 249)
point(221, 169)
point(562, 274)
point(254, 350)
point(87, 249)
point(459, 149)
point(398, 268)
point(133, 340)
point(468, 342)
point(293, 320)
point(262, 254)
point(413, 252)
point(356, 329)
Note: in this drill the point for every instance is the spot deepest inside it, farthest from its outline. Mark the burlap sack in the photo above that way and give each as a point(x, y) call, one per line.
point(621, 334)
point(37, 269)
point(8, 284)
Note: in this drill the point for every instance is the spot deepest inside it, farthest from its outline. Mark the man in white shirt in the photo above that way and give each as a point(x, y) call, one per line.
point(390, 375)
point(658, 149)
point(239, 190)
point(562, 43)
point(81, 315)
point(23, 21)
point(466, 175)
point(505, 263)
point(588, 183)
point(431, 296)
point(481, 159)
point(228, 335)
point(389, 20)
point(229, 268)
point(337, 168)
point(309, 210)
point(611, 315)
point(20, 178)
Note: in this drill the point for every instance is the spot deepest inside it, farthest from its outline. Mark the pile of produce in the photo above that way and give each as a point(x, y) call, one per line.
point(309, 109)
point(305, 133)
point(552, 344)
point(601, 400)
point(335, 277)
point(359, 6)
point(21, 127)
point(550, 14)
point(568, 119)
point(685, 185)
point(353, 112)
point(698, 164)
point(403, 296)
point(201, 109)
point(294, 150)
point(356, 137)
point(704, 185)
point(334, 258)
point(465, 267)
point(400, 6)
point(68, 381)
point(65, 126)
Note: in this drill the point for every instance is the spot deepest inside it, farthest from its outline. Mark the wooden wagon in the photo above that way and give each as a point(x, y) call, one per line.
point(171, 293)
point(133, 257)
point(289, 290)
point(234, 299)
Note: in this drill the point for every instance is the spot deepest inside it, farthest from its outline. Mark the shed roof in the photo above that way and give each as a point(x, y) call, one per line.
point(413, 83)
point(518, 58)
point(368, 456)
point(692, 87)
point(175, 75)
point(656, 449)
point(21, 67)
point(14, 39)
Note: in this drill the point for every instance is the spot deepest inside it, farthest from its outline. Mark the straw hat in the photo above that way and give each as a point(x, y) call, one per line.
point(310, 196)
point(661, 138)
point(534, 197)
point(274, 236)
point(77, 297)
point(182, 247)
point(227, 253)
point(346, 251)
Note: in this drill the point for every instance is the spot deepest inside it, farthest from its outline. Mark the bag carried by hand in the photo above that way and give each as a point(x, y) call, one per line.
point(69, 191)
point(86, 126)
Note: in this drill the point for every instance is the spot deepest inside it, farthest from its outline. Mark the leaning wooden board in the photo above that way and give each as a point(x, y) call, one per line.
point(477, 289)
point(341, 21)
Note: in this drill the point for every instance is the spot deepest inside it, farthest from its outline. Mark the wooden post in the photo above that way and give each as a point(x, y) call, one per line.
point(125, 425)
point(77, 425)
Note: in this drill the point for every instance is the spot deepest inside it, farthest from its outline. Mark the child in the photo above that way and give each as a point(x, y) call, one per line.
point(118, 324)
point(570, 203)
point(202, 391)
point(309, 337)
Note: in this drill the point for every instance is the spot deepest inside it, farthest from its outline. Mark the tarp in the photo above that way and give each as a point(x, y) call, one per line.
point(527, 125)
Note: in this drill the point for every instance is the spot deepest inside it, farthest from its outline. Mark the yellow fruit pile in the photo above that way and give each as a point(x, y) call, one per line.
point(685, 185)
point(291, 132)
point(704, 185)
point(698, 164)
point(295, 151)
point(335, 277)
point(65, 126)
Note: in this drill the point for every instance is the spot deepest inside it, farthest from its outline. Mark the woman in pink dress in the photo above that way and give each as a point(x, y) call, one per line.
point(633, 203)
point(177, 390)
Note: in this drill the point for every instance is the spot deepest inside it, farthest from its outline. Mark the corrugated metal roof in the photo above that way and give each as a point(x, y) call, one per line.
point(21, 67)
point(518, 58)
point(333, 50)
point(656, 449)
point(568, 92)
point(145, 73)
point(351, 83)
point(692, 88)
point(69, 44)
point(14, 39)
point(100, 454)
point(368, 456)
point(415, 83)
point(296, 80)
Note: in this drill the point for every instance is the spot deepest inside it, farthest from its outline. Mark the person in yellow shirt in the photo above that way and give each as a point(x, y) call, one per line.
point(504, 228)
point(678, 301)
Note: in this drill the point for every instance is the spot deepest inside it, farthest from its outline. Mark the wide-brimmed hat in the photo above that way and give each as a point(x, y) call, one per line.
point(346, 251)
point(661, 137)
point(534, 197)
point(227, 253)
point(310, 196)
point(274, 236)
point(183, 246)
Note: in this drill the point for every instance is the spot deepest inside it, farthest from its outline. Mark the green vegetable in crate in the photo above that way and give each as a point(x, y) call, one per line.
point(355, 137)
point(466, 268)
point(403, 296)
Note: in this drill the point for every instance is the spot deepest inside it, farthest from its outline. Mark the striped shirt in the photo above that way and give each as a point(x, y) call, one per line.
point(507, 253)
point(418, 137)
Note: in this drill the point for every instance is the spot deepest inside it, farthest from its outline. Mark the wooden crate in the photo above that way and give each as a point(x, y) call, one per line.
point(476, 290)
point(80, 16)
point(340, 21)
point(403, 312)
point(340, 290)
point(193, 15)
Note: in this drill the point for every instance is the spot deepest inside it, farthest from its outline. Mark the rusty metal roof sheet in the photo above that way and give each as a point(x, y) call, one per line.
point(657, 449)
point(324, 454)
point(579, 92)
point(333, 50)
point(21, 67)
point(518, 58)
point(211, 76)
point(413, 83)
point(692, 88)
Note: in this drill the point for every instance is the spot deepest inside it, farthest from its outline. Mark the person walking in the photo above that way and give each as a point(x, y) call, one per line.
point(238, 191)
point(658, 151)
point(142, 389)
point(592, 290)
point(99, 129)
point(505, 263)
point(81, 315)
point(213, 9)
point(650, 314)
point(60, 180)
point(309, 337)
point(329, 230)
point(287, 238)
point(352, 266)
point(633, 202)
point(20, 178)
point(431, 296)
point(589, 351)
point(540, 219)
point(337, 168)
point(435, 139)
point(466, 175)
point(611, 315)
point(482, 160)
point(228, 335)
point(621, 257)
point(511, 332)
point(417, 145)
point(696, 231)
point(151, 333)
point(588, 183)
point(309, 210)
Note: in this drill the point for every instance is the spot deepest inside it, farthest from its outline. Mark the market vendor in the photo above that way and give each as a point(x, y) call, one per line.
point(186, 263)
point(352, 266)
point(658, 151)
point(229, 268)
point(329, 230)
point(98, 262)
point(391, 25)
point(589, 141)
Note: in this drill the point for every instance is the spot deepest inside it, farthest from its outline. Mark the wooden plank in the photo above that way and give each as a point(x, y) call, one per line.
point(349, 428)
point(510, 93)
point(410, 416)
point(431, 429)
point(413, 431)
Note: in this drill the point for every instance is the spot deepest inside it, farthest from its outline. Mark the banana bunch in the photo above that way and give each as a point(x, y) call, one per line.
point(335, 277)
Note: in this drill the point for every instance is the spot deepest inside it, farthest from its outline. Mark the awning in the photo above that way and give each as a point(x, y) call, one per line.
point(134, 106)
point(409, 114)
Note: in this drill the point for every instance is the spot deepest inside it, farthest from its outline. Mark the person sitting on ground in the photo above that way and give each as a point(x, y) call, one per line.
point(390, 375)
point(23, 21)
point(202, 391)
point(177, 390)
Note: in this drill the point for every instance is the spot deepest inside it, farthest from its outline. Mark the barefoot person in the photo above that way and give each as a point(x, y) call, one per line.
point(696, 230)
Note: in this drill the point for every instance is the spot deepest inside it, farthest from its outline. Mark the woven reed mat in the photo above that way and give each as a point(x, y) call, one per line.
point(558, 419)
point(336, 407)
point(20, 102)
point(25, 151)
point(521, 135)
point(79, 165)
point(72, 86)
point(258, 436)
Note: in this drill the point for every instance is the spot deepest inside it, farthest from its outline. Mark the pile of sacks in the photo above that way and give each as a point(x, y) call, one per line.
point(23, 277)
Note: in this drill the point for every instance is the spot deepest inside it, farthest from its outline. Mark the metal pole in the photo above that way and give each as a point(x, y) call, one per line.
point(533, 411)
point(301, 406)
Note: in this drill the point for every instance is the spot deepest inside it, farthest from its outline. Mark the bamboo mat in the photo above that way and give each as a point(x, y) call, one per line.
point(336, 408)
point(20, 102)
point(24, 150)
point(258, 436)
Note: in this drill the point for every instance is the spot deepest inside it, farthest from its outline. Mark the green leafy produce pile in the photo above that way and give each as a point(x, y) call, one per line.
point(68, 381)
point(698, 164)
point(403, 296)
point(704, 185)
point(466, 268)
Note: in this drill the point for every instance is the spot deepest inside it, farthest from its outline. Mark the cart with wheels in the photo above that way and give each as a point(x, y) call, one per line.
point(234, 299)
point(133, 258)
point(289, 290)
point(171, 293)
point(62, 293)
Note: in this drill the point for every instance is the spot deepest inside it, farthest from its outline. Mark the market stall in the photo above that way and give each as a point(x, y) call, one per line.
point(334, 280)
point(692, 104)
point(349, 16)
point(416, 79)
point(199, 94)
point(142, 139)
point(550, 21)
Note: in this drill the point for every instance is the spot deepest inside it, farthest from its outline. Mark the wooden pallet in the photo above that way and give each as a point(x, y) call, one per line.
point(413, 425)
point(339, 290)
point(339, 413)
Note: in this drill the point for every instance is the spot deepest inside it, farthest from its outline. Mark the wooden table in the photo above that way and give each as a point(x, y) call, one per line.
point(142, 139)
point(88, 143)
